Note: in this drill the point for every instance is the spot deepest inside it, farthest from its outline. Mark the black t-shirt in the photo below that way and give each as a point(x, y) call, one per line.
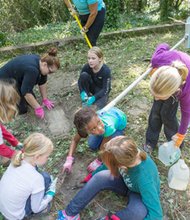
point(101, 79)
point(25, 70)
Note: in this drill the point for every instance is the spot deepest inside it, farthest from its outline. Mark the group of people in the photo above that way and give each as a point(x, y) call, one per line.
point(121, 167)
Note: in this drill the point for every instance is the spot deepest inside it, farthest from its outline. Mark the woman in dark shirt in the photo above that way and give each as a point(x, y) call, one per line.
point(27, 71)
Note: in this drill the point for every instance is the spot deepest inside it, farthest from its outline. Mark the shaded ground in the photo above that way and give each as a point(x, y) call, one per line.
point(128, 59)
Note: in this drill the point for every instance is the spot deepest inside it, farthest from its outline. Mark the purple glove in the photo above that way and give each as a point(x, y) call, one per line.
point(39, 112)
point(49, 104)
point(67, 166)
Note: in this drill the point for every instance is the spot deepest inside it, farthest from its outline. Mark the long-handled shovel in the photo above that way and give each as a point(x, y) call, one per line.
point(80, 26)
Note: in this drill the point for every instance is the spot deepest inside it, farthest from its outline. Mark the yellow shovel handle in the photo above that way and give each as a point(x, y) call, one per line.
point(80, 26)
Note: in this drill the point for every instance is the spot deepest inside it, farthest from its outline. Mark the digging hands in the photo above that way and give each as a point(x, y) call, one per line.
point(39, 112)
point(73, 12)
point(48, 104)
point(83, 31)
point(52, 188)
point(67, 166)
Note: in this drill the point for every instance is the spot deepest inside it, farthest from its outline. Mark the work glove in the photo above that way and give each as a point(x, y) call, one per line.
point(73, 12)
point(101, 167)
point(178, 139)
point(83, 96)
point(52, 188)
point(87, 178)
point(49, 104)
point(91, 100)
point(39, 112)
point(94, 165)
point(67, 166)
point(83, 31)
point(19, 146)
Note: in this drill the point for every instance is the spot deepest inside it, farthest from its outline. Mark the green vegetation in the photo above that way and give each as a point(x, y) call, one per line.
point(128, 58)
point(47, 20)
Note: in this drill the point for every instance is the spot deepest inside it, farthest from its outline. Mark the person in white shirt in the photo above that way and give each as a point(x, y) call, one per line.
point(23, 190)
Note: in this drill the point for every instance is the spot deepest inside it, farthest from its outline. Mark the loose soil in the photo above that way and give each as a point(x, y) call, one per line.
point(128, 60)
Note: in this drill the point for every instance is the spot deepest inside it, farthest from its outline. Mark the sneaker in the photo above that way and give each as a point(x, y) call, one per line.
point(94, 165)
point(148, 149)
point(63, 216)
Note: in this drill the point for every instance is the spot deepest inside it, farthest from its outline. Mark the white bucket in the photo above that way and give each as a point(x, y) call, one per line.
point(168, 153)
point(178, 176)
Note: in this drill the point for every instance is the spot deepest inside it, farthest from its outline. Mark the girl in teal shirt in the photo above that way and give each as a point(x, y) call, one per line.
point(100, 126)
point(131, 173)
point(92, 16)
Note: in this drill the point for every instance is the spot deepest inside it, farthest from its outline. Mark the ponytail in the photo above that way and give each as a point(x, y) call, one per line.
point(52, 52)
point(17, 158)
point(51, 58)
point(182, 69)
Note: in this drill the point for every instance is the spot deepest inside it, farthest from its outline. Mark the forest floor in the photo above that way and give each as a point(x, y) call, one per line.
point(128, 58)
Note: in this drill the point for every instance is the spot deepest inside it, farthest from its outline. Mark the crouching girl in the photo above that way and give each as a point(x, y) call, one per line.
point(131, 173)
point(24, 190)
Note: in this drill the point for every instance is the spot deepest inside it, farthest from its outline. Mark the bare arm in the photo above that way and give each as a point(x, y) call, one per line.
point(43, 90)
point(68, 4)
point(74, 144)
point(93, 13)
point(31, 100)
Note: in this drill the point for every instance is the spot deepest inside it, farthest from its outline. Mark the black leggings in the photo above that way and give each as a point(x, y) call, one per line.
point(163, 112)
point(96, 27)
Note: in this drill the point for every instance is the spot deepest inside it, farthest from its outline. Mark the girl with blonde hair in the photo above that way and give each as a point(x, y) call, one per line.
point(170, 85)
point(8, 110)
point(23, 190)
point(131, 173)
point(95, 80)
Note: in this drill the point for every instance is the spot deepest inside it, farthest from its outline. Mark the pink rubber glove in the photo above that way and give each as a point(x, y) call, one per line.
point(39, 112)
point(67, 166)
point(49, 104)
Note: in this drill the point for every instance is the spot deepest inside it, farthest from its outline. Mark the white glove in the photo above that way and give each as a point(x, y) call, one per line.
point(52, 188)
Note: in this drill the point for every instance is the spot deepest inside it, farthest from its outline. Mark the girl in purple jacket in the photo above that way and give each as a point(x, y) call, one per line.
point(170, 85)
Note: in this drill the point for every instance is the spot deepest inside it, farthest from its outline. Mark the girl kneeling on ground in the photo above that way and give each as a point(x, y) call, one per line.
point(131, 173)
point(100, 126)
point(8, 110)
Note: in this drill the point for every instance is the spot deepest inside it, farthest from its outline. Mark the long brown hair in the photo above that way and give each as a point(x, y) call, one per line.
point(120, 152)
point(51, 58)
point(9, 99)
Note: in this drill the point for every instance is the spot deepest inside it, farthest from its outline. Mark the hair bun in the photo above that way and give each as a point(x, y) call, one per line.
point(52, 52)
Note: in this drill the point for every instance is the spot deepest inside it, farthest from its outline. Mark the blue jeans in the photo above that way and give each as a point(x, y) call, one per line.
point(47, 182)
point(94, 141)
point(163, 112)
point(135, 209)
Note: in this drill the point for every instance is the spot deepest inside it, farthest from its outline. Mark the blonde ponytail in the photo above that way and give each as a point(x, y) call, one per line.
point(182, 69)
point(17, 159)
point(35, 144)
point(166, 80)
